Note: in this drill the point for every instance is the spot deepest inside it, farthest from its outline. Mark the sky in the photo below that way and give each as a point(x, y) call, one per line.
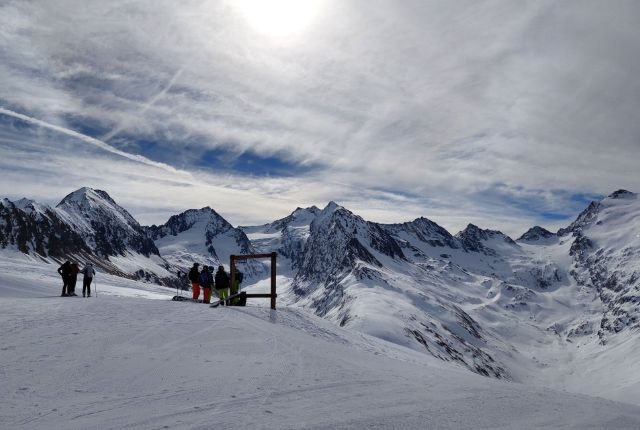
point(499, 113)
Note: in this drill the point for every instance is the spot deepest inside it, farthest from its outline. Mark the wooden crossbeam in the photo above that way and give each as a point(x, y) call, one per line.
point(250, 256)
point(259, 296)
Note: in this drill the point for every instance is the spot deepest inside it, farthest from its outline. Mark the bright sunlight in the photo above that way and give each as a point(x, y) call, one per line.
point(279, 18)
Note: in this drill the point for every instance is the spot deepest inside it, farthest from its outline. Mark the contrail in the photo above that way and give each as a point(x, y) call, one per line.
point(88, 139)
point(145, 107)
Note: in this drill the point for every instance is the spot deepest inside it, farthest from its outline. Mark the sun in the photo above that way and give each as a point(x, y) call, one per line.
point(279, 19)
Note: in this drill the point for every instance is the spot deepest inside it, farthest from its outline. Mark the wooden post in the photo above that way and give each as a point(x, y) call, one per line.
point(232, 268)
point(273, 280)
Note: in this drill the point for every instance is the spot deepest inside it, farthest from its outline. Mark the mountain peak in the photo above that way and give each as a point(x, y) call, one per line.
point(586, 218)
point(473, 237)
point(331, 206)
point(87, 208)
point(86, 194)
point(426, 231)
point(622, 194)
point(330, 209)
point(535, 233)
point(30, 206)
point(471, 228)
point(311, 209)
point(207, 210)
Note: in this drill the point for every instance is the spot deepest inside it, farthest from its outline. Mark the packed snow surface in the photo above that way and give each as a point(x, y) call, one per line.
point(123, 361)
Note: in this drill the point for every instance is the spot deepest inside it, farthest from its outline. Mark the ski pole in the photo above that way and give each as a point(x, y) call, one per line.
point(95, 288)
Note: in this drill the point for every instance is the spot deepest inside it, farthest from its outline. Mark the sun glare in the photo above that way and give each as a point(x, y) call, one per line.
point(279, 18)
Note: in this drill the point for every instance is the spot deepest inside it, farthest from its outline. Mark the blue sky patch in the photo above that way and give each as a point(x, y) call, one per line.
point(251, 163)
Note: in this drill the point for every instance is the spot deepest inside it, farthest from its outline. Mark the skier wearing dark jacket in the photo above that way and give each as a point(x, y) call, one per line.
point(194, 277)
point(222, 283)
point(206, 282)
point(73, 279)
point(65, 273)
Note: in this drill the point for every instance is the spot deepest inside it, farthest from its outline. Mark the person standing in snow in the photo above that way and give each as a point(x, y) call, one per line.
point(238, 276)
point(88, 273)
point(73, 279)
point(194, 277)
point(206, 281)
point(222, 283)
point(65, 273)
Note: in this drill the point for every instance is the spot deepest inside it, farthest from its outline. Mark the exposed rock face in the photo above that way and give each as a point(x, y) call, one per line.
point(109, 228)
point(474, 239)
point(31, 227)
point(338, 241)
point(584, 220)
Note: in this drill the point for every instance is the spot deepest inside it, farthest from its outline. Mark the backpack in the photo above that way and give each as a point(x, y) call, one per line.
point(88, 271)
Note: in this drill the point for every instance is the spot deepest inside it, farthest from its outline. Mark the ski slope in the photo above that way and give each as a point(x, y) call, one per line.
point(124, 361)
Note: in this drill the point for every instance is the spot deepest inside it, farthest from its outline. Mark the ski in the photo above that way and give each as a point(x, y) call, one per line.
point(185, 299)
point(233, 296)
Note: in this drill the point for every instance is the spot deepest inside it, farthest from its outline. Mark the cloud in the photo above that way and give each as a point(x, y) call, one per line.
point(502, 110)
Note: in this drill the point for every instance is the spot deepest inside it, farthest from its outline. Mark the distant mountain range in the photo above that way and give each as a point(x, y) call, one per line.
point(477, 298)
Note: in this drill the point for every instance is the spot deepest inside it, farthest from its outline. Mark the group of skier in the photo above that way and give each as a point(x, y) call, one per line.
point(69, 272)
point(206, 281)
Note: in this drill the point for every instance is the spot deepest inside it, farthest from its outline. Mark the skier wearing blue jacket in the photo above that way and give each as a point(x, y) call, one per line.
point(206, 282)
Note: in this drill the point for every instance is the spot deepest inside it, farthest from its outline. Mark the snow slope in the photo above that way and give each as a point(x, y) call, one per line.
point(124, 362)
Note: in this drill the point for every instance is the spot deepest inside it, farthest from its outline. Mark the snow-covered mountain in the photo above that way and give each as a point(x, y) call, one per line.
point(357, 274)
point(535, 234)
point(535, 309)
point(605, 246)
point(202, 236)
point(106, 227)
point(499, 307)
point(28, 226)
point(87, 225)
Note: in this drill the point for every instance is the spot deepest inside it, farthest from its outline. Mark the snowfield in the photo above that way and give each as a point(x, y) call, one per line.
point(123, 361)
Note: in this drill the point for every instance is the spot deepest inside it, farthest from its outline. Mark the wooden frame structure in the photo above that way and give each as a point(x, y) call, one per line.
point(273, 256)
